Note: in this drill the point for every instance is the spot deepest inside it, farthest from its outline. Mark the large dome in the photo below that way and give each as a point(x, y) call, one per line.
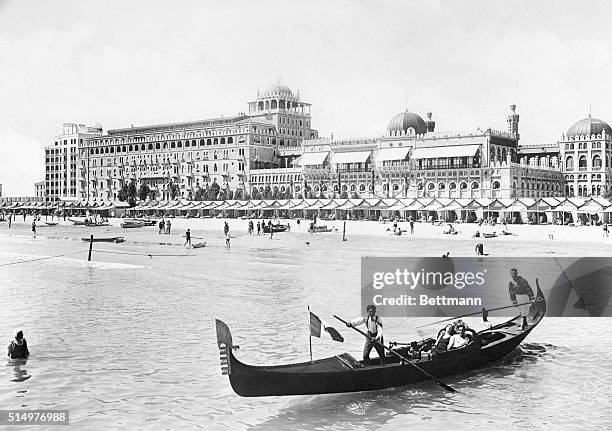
point(589, 126)
point(404, 121)
point(278, 90)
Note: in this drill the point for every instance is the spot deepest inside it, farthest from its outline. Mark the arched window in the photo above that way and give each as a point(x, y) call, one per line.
point(441, 186)
point(475, 185)
point(395, 187)
point(582, 162)
point(596, 162)
point(463, 186)
point(362, 188)
point(452, 186)
point(353, 188)
point(431, 186)
point(172, 144)
point(569, 163)
point(157, 146)
point(496, 185)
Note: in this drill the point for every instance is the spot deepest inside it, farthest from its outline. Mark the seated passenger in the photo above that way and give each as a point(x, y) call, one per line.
point(458, 339)
point(443, 340)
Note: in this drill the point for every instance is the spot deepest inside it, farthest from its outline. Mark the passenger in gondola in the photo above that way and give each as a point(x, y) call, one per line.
point(374, 326)
point(520, 286)
point(458, 339)
point(443, 340)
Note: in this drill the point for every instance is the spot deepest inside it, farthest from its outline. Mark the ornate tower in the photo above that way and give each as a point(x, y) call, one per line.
point(513, 120)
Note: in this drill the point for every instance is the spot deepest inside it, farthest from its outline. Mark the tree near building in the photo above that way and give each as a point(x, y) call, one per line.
point(143, 191)
point(132, 193)
point(213, 191)
point(199, 194)
point(123, 193)
point(174, 190)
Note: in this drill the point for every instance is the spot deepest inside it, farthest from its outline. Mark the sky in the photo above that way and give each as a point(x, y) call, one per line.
point(358, 62)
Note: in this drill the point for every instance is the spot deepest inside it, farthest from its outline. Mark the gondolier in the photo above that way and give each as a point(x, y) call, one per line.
point(374, 326)
point(520, 286)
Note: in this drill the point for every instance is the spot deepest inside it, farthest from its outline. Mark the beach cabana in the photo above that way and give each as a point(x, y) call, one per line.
point(594, 210)
point(568, 210)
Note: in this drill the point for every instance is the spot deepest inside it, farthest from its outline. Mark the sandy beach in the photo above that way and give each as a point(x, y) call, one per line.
point(428, 239)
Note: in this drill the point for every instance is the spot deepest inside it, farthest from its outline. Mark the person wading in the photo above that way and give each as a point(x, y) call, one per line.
point(18, 348)
point(374, 326)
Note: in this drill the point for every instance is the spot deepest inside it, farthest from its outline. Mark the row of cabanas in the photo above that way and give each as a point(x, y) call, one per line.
point(62, 205)
point(520, 210)
point(517, 210)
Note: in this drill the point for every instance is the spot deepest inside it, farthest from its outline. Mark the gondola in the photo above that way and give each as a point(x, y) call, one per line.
point(489, 235)
point(115, 239)
point(275, 228)
point(343, 373)
point(199, 245)
point(51, 223)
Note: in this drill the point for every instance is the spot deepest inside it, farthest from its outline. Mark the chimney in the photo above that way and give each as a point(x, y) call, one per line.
point(431, 125)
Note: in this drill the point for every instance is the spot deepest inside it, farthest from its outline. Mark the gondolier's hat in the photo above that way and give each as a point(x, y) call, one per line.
point(371, 307)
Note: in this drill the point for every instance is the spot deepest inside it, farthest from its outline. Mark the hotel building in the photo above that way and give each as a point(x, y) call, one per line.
point(190, 155)
point(61, 161)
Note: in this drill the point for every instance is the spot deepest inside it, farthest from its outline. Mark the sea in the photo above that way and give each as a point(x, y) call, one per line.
point(127, 340)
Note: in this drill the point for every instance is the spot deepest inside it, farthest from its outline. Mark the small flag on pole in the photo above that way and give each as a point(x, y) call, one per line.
point(320, 328)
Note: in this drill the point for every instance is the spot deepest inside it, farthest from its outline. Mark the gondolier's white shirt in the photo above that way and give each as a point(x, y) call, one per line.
point(371, 324)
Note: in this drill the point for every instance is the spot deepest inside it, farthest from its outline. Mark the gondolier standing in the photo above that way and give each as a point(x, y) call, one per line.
point(374, 325)
point(520, 286)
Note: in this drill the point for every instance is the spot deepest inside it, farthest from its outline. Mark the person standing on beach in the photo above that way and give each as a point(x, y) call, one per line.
point(258, 228)
point(161, 226)
point(34, 228)
point(188, 238)
point(605, 229)
point(227, 240)
point(168, 226)
point(10, 220)
point(225, 228)
point(411, 225)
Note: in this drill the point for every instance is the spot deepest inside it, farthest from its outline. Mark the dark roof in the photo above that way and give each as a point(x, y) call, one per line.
point(406, 120)
point(589, 126)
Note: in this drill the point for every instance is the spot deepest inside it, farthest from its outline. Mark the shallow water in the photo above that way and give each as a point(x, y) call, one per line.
point(128, 341)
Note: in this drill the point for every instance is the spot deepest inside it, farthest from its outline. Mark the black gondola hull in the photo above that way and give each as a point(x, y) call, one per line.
point(344, 374)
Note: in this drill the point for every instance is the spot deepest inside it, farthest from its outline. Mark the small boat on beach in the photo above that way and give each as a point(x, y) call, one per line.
point(115, 239)
point(275, 228)
point(319, 229)
point(77, 222)
point(343, 373)
point(51, 223)
point(489, 235)
point(146, 221)
point(128, 224)
point(199, 245)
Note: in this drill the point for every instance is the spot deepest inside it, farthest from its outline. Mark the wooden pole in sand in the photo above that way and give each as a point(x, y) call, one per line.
point(90, 247)
point(344, 231)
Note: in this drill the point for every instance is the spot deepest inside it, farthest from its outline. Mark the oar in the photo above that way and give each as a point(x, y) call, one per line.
point(406, 360)
point(472, 314)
